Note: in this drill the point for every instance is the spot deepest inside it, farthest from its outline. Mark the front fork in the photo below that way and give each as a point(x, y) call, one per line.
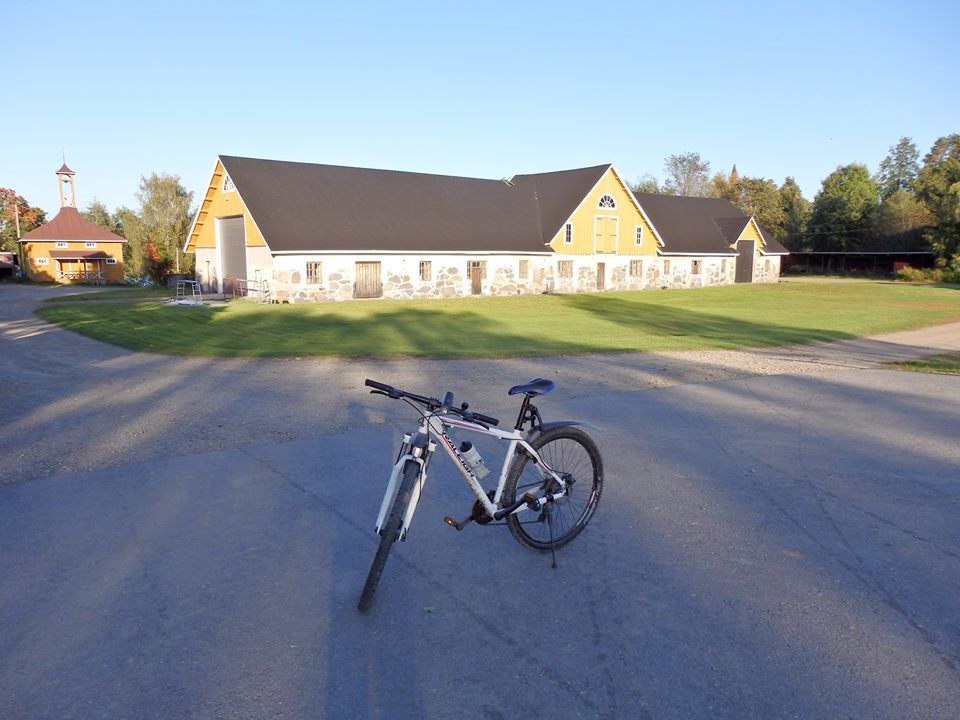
point(420, 452)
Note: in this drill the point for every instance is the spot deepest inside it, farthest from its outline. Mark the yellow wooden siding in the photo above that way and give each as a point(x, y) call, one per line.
point(588, 220)
point(34, 250)
point(750, 233)
point(218, 204)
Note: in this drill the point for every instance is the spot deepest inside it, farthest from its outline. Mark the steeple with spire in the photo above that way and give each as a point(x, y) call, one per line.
point(68, 190)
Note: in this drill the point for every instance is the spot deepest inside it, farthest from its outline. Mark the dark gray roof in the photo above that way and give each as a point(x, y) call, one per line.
point(307, 207)
point(702, 226)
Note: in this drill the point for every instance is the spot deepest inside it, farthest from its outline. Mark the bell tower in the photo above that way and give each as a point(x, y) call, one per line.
point(68, 190)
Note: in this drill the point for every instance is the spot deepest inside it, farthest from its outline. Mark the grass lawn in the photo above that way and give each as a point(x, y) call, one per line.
point(727, 317)
point(130, 293)
point(946, 363)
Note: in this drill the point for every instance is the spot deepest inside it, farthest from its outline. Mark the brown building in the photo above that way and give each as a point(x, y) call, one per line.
point(70, 248)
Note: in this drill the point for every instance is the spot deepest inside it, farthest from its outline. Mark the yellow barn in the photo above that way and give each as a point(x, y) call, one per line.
point(295, 232)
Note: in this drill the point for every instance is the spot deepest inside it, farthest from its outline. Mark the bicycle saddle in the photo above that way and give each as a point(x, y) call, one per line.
point(537, 386)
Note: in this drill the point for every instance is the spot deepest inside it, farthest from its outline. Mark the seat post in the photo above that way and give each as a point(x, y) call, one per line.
point(523, 412)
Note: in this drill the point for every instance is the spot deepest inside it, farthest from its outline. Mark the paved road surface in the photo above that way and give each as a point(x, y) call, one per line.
point(768, 545)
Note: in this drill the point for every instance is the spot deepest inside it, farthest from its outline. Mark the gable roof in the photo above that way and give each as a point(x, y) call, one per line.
point(305, 207)
point(69, 224)
point(771, 246)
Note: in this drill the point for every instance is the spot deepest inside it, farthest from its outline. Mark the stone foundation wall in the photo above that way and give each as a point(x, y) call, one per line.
point(449, 276)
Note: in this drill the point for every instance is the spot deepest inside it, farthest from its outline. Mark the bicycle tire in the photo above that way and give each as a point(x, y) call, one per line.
point(566, 450)
point(388, 534)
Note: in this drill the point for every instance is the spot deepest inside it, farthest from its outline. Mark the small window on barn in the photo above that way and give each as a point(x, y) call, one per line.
point(426, 270)
point(723, 266)
point(565, 268)
point(62, 244)
point(568, 233)
point(666, 266)
point(43, 261)
point(480, 265)
point(111, 261)
point(228, 185)
point(766, 265)
point(314, 273)
point(638, 235)
point(636, 268)
point(90, 245)
point(697, 267)
point(607, 202)
point(524, 269)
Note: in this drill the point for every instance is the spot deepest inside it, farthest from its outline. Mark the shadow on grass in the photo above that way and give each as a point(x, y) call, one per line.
point(564, 324)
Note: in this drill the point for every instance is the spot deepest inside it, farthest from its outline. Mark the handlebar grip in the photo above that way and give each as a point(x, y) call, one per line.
point(378, 385)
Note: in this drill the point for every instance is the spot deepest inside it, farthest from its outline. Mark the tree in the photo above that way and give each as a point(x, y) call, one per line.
point(97, 213)
point(648, 184)
point(162, 223)
point(898, 170)
point(687, 174)
point(938, 187)
point(796, 214)
point(727, 186)
point(900, 223)
point(843, 210)
point(29, 217)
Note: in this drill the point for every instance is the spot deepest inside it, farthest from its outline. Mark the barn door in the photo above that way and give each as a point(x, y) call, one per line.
point(745, 261)
point(601, 276)
point(233, 251)
point(476, 268)
point(368, 283)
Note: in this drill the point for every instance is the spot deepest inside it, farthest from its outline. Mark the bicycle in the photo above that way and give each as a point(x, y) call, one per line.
point(548, 489)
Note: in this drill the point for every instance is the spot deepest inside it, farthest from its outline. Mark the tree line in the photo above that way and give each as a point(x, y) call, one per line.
point(908, 204)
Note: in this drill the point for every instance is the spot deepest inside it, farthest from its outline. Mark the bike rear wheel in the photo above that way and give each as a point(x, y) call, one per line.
point(389, 533)
point(573, 455)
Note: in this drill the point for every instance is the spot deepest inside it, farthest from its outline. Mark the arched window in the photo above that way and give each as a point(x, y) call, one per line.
point(607, 202)
point(228, 185)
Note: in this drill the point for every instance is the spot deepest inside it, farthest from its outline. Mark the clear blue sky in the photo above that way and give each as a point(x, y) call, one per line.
point(485, 89)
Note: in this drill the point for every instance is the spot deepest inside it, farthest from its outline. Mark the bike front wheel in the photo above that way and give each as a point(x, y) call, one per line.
point(574, 456)
point(389, 533)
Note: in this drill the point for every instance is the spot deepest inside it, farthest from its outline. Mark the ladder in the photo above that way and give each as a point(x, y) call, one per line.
point(192, 287)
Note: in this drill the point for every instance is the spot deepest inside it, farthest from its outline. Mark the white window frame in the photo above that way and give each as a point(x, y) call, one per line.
point(317, 277)
point(428, 266)
point(568, 234)
point(696, 267)
point(42, 261)
point(666, 266)
point(523, 264)
point(638, 235)
point(636, 268)
point(62, 244)
point(227, 185)
point(111, 261)
point(89, 244)
point(611, 206)
point(564, 264)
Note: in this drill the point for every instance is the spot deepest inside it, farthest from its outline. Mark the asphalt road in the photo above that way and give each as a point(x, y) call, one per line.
point(767, 546)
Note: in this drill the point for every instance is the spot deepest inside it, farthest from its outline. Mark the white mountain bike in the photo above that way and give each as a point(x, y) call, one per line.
point(548, 489)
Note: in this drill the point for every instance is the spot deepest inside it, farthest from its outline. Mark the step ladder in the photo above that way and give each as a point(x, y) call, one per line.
point(189, 293)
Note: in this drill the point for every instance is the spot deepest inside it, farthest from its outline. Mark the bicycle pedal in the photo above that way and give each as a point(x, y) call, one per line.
point(458, 525)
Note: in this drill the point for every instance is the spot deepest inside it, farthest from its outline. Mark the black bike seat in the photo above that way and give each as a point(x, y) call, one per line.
point(537, 386)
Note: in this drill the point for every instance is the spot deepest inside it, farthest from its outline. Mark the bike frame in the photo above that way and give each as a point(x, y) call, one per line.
point(435, 424)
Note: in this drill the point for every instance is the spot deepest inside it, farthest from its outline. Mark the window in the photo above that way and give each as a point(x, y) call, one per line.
point(697, 267)
point(314, 273)
point(111, 261)
point(607, 201)
point(723, 266)
point(636, 268)
point(90, 245)
point(228, 185)
point(524, 270)
point(766, 266)
point(638, 235)
point(666, 267)
point(568, 233)
point(565, 268)
point(426, 271)
point(62, 244)
point(477, 264)
point(43, 261)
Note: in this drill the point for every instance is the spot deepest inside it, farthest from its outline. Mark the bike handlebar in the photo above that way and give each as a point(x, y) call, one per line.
point(431, 403)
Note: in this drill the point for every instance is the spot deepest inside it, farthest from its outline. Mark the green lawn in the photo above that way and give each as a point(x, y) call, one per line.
point(946, 363)
point(123, 293)
point(728, 317)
